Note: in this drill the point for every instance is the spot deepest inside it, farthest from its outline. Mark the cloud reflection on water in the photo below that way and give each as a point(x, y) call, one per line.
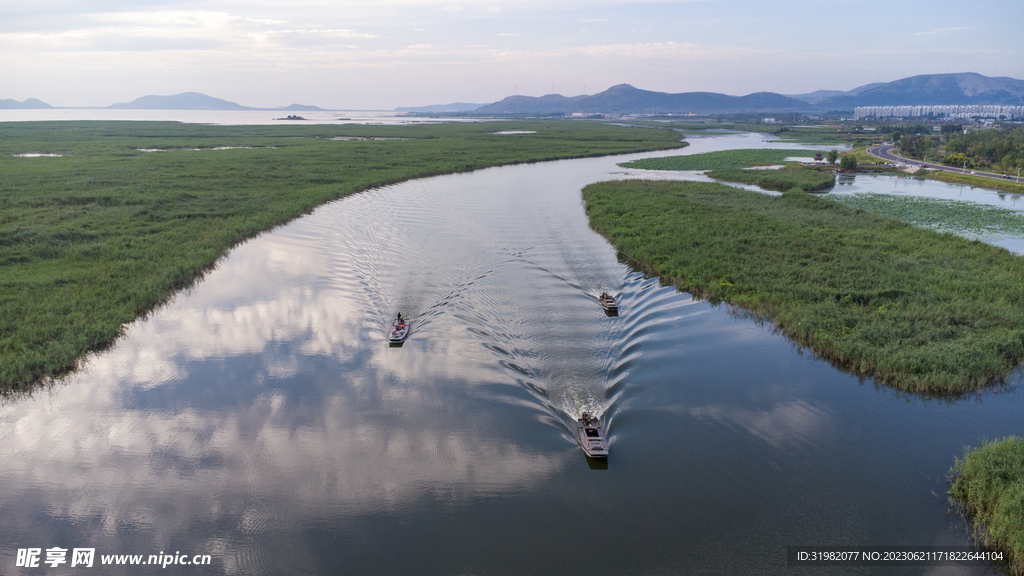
point(785, 423)
point(272, 409)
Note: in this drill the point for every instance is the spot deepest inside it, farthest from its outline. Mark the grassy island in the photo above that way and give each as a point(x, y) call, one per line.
point(988, 485)
point(720, 160)
point(912, 308)
point(102, 221)
point(787, 178)
point(734, 166)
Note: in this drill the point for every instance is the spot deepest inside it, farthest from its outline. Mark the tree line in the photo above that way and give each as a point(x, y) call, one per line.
point(1001, 150)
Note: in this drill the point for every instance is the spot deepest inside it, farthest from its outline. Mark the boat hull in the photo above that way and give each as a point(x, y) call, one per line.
point(398, 336)
point(610, 306)
point(592, 438)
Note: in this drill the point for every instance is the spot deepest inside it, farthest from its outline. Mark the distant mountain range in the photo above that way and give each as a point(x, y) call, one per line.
point(820, 95)
point(625, 99)
point(453, 108)
point(197, 101)
point(31, 103)
point(964, 88)
point(184, 101)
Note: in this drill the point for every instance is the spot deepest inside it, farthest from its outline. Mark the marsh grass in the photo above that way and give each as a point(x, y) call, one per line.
point(988, 486)
point(94, 239)
point(827, 135)
point(912, 308)
point(793, 176)
point(719, 160)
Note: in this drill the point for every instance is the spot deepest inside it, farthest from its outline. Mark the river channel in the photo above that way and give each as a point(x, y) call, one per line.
point(261, 417)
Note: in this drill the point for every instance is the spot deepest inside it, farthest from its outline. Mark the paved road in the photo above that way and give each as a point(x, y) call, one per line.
point(885, 153)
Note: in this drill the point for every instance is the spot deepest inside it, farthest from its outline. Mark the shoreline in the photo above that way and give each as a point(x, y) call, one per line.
point(987, 486)
point(863, 291)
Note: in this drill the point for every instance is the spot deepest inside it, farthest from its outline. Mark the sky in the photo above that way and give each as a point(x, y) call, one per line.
point(382, 54)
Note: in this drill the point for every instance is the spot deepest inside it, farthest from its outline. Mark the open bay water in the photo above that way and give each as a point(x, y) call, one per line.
point(221, 117)
point(261, 417)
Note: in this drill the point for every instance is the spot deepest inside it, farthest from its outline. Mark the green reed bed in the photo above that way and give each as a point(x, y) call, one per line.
point(938, 214)
point(92, 240)
point(719, 160)
point(912, 308)
point(827, 135)
point(786, 178)
point(988, 485)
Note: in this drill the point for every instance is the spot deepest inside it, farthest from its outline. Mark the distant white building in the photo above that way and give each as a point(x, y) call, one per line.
point(949, 111)
point(769, 121)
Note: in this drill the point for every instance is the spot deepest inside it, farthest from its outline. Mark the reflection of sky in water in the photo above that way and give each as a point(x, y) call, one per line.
point(862, 183)
point(262, 418)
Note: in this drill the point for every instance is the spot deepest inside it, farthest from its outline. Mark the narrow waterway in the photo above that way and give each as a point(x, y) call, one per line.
point(262, 418)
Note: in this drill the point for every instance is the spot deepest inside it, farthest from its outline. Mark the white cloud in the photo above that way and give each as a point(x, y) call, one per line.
point(166, 30)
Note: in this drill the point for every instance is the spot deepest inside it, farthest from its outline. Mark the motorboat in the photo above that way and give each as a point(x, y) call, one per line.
point(399, 331)
point(591, 436)
point(608, 303)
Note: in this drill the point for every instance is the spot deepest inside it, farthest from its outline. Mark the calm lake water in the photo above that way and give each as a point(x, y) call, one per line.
point(262, 418)
point(224, 117)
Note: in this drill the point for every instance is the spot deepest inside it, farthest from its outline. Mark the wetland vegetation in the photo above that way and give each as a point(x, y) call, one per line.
point(857, 135)
point(102, 234)
point(988, 485)
point(720, 160)
point(793, 176)
point(873, 295)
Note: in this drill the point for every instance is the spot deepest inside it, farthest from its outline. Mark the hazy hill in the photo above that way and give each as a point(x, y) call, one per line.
point(626, 99)
point(184, 101)
point(819, 95)
point(963, 88)
point(296, 107)
point(31, 103)
point(197, 101)
point(454, 107)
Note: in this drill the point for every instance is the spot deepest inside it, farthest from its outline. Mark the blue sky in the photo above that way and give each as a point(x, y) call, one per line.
point(380, 54)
